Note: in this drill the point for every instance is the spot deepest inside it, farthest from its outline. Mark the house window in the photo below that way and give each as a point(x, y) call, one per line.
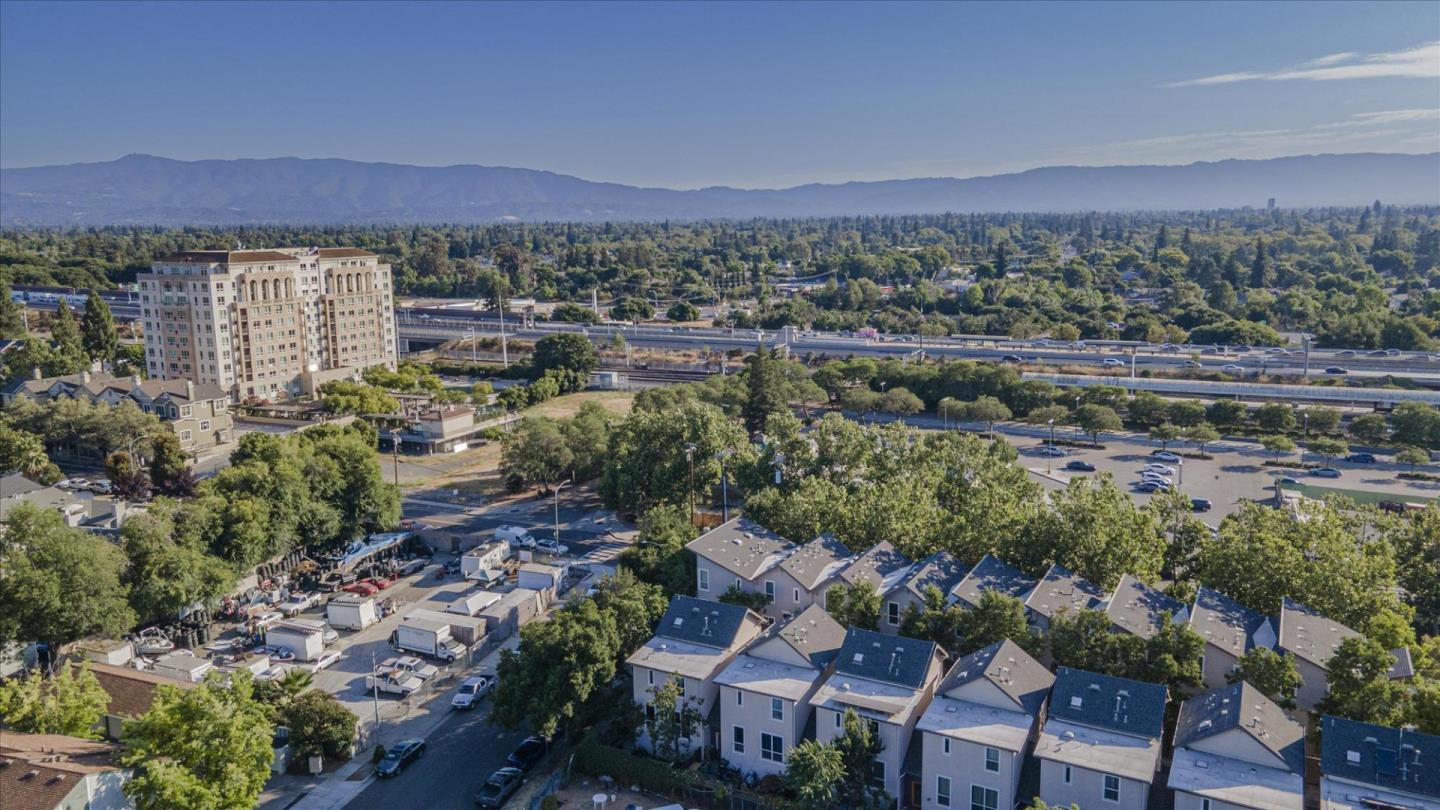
point(739, 585)
point(770, 589)
point(704, 581)
point(681, 683)
point(1067, 774)
point(739, 698)
point(892, 613)
point(1112, 788)
point(877, 773)
point(737, 739)
point(205, 424)
point(983, 798)
point(942, 791)
point(772, 747)
point(184, 435)
point(837, 719)
point(796, 598)
point(1204, 804)
point(650, 673)
point(992, 760)
point(777, 709)
point(945, 746)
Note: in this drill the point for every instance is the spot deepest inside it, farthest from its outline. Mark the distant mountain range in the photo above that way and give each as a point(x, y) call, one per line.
point(146, 190)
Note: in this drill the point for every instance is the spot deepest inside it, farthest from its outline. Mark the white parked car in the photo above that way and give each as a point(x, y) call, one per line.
point(471, 690)
point(1160, 468)
point(549, 546)
point(516, 536)
point(1165, 455)
point(323, 660)
point(1052, 451)
point(1156, 477)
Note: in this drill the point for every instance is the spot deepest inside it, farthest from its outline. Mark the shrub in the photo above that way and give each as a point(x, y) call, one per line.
point(596, 759)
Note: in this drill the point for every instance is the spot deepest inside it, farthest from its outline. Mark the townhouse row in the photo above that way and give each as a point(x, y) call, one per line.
point(960, 734)
point(742, 554)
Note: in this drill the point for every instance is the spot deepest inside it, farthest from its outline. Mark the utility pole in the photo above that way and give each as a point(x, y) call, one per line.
point(690, 457)
point(557, 508)
point(395, 454)
point(724, 486)
point(595, 302)
point(504, 352)
point(375, 696)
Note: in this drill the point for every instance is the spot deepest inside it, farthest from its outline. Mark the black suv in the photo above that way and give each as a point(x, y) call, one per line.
point(529, 752)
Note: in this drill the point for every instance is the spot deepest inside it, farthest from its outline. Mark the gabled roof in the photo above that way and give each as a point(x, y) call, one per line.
point(881, 566)
point(889, 659)
point(812, 634)
point(1242, 706)
point(1062, 589)
point(1308, 635)
point(941, 570)
point(816, 561)
point(1136, 607)
point(131, 691)
point(1389, 758)
point(709, 624)
point(15, 484)
point(1104, 701)
point(1012, 671)
point(743, 547)
point(1225, 623)
point(990, 574)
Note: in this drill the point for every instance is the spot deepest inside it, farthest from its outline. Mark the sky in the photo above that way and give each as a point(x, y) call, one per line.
point(686, 95)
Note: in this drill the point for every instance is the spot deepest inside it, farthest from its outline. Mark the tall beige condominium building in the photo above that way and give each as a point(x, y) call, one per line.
point(267, 323)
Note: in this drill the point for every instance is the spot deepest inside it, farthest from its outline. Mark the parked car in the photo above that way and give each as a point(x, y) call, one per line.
point(380, 583)
point(1325, 472)
point(1163, 469)
point(1080, 466)
point(1151, 486)
point(398, 756)
point(299, 602)
point(549, 546)
point(280, 654)
point(1200, 504)
point(1361, 458)
point(529, 752)
point(362, 588)
point(1336, 370)
point(336, 581)
point(1286, 479)
point(323, 660)
point(471, 690)
point(1156, 477)
point(1165, 455)
point(499, 787)
point(517, 536)
point(411, 566)
point(1051, 450)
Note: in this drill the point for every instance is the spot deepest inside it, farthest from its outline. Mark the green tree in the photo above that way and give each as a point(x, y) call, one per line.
point(1275, 417)
point(1227, 414)
point(1328, 447)
point(987, 409)
point(1370, 428)
point(683, 311)
point(856, 605)
point(1164, 434)
point(648, 463)
point(170, 568)
point(128, 480)
point(65, 334)
point(858, 746)
point(900, 402)
point(675, 720)
point(632, 309)
point(24, 453)
point(1413, 456)
point(170, 472)
point(1416, 539)
point(344, 396)
point(559, 664)
point(1417, 424)
point(1097, 419)
point(536, 452)
point(320, 725)
point(569, 352)
point(206, 747)
point(1174, 513)
point(1096, 530)
point(1322, 419)
point(1359, 684)
point(1083, 640)
point(98, 329)
point(765, 389)
point(1277, 444)
point(1201, 435)
point(58, 584)
point(69, 702)
point(1274, 674)
point(999, 616)
point(813, 773)
point(658, 554)
point(12, 320)
point(735, 595)
point(1186, 413)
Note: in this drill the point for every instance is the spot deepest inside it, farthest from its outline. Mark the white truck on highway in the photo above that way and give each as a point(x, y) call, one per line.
point(427, 637)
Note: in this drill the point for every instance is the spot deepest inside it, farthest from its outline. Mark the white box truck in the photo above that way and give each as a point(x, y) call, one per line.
point(305, 640)
point(351, 612)
point(468, 630)
point(427, 637)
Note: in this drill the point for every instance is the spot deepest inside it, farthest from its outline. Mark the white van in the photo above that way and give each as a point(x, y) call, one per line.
point(517, 536)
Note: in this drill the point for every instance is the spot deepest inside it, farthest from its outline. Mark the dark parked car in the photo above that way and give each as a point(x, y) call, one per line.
point(1151, 486)
point(1080, 466)
point(1336, 370)
point(400, 754)
point(1361, 458)
point(499, 787)
point(1200, 504)
point(529, 752)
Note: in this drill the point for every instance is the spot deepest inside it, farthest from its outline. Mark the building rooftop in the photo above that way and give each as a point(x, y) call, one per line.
point(1136, 607)
point(894, 703)
point(1235, 783)
point(767, 677)
point(817, 561)
point(941, 570)
point(709, 624)
point(1099, 749)
point(225, 257)
point(1390, 758)
point(990, 574)
point(1308, 635)
point(881, 566)
point(743, 547)
point(343, 253)
point(977, 722)
point(681, 658)
point(1225, 623)
point(1242, 706)
point(1061, 589)
point(1010, 669)
point(14, 485)
point(131, 691)
point(95, 384)
point(1106, 702)
point(888, 659)
point(812, 634)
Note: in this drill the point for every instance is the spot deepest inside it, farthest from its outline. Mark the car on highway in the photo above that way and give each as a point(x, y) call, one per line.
point(299, 602)
point(1392, 352)
point(398, 756)
point(1200, 505)
point(1051, 450)
point(1231, 368)
point(1114, 361)
point(1325, 472)
point(471, 690)
point(1378, 353)
point(1151, 486)
point(1080, 466)
point(323, 660)
point(1345, 353)
point(1242, 349)
point(499, 787)
point(1192, 364)
point(1336, 370)
point(1163, 469)
point(1361, 458)
point(1011, 358)
point(529, 752)
point(1165, 455)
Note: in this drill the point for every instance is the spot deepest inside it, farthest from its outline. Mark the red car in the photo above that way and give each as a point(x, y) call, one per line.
point(362, 588)
point(380, 583)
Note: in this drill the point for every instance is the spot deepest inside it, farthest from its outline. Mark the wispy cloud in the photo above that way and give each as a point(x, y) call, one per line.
point(1419, 62)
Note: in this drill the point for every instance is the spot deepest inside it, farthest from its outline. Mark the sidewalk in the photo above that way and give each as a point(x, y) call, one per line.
point(335, 789)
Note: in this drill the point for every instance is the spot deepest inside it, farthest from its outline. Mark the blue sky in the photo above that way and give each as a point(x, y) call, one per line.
point(745, 94)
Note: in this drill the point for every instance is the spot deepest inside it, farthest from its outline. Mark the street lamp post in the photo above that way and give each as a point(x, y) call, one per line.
point(690, 459)
point(1077, 417)
point(559, 487)
point(724, 486)
point(1049, 460)
point(395, 454)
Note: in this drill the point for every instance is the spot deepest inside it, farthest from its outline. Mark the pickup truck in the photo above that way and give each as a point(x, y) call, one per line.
point(394, 681)
point(411, 665)
point(299, 602)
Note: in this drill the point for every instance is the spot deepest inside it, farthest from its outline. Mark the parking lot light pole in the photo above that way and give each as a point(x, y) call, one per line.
point(559, 487)
point(375, 695)
point(690, 458)
point(1048, 461)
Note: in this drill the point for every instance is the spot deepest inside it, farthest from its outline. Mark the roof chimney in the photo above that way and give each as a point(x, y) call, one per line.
point(35, 374)
point(85, 376)
point(135, 380)
point(190, 389)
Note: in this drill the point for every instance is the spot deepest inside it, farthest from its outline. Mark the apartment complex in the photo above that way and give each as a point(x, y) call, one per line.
point(267, 324)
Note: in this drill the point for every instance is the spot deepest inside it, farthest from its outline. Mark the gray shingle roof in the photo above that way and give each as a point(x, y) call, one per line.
point(14, 484)
point(1107, 702)
point(1136, 607)
point(889, 659)
point(1012, 670)
point(1061, 589)
point(1225, 623)
point(814, 635)
point(711, 624)
point(941, 570)
point(1244, 707)
point(816, 561)
point(741, 546)
point(876, 566)
point(1309, 635)
point(1390, 758)
point(990, 574)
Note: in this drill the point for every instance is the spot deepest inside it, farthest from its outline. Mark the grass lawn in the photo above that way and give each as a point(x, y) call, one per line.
point(561, 407)
point(1356, 495)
